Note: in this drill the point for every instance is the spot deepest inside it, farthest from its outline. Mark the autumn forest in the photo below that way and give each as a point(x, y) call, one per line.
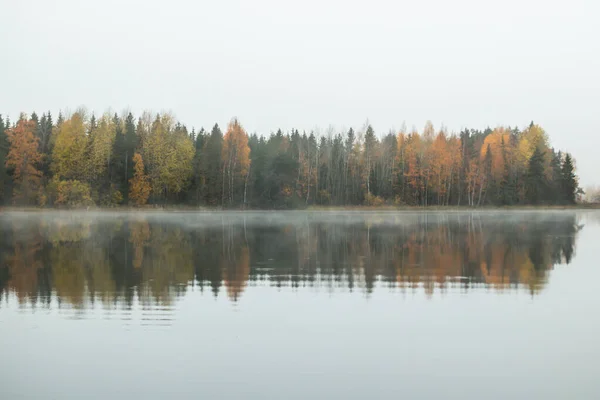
point(81, 160)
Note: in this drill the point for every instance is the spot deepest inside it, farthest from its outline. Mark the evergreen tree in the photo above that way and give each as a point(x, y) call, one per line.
point(44, 135)
point(93, 125)
point(131, 144)
point(349, 184)
point(36, 123)
point(536, 181)
point(198, 181)
point(118, 178)
point(370, 149)
point(569, 180)
point(124, 148)
point(259, 194)
point(212, 167)
point(557, 195)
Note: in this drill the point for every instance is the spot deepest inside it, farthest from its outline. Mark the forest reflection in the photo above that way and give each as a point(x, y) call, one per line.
point(82, 259)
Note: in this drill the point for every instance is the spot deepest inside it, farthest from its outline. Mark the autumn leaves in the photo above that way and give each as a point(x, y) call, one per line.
point(115, 160)
point(24, 158)
point(109, 161)
point(139, 185)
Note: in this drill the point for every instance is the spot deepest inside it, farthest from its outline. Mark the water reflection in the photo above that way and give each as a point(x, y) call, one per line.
point(82, 259)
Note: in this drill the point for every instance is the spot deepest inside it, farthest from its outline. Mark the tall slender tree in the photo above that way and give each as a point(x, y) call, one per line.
point(235, 157)
point(569, 180)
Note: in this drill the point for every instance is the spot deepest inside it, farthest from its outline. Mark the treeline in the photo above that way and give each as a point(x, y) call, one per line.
point(111, 160)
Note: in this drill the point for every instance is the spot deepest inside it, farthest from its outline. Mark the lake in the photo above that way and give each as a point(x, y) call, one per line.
point(300, 305)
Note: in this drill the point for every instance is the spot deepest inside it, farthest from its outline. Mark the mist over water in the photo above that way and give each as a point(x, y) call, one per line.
point(299, 304)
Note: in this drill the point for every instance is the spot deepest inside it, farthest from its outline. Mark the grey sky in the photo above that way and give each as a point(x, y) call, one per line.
point(276, 64)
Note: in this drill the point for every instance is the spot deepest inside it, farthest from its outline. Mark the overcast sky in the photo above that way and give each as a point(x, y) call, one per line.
point(314, 63)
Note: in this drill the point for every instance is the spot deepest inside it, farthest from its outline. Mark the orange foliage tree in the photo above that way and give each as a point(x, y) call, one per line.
point(24, 157)
point(139, 185)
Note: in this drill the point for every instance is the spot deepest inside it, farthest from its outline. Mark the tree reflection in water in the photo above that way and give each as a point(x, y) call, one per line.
point(84, 258)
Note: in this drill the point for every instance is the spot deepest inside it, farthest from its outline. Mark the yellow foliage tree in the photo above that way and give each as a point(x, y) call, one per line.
point(533, 137)
point(494, 141)
point(101, 147)
point(139, 187)
point(69, 160)
point(168, 154)
point(236, 159)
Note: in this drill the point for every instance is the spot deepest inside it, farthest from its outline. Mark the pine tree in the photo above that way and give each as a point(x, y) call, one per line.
point(569, 180)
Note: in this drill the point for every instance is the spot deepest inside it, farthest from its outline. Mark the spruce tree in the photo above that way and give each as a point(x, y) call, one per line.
point(556, 195)
point(212, 166)
point(118, 178)
point(131, 145)
point(198, 181)
point(44, 133)
point(569, 180)
point(124, 148)
point(536, 181)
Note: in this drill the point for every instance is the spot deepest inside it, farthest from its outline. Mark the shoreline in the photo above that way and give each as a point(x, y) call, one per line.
point(176, 208)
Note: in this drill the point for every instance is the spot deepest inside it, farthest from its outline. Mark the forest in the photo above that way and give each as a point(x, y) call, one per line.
point(81, 160)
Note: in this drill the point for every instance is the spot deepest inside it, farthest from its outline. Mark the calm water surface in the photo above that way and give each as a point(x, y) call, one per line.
point(300, 305)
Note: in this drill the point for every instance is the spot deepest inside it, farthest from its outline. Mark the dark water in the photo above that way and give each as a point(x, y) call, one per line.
point(300, 305)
